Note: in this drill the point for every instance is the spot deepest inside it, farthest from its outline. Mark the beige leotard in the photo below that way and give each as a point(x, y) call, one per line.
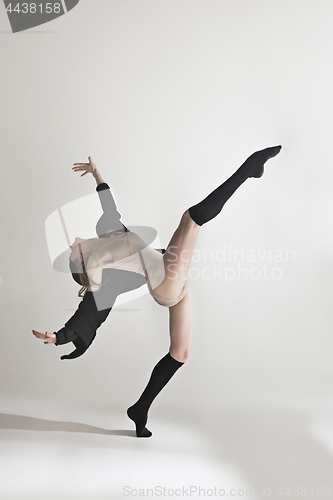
point(127, 251)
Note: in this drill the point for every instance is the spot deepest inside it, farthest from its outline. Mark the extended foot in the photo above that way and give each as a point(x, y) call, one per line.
point(255, 163)
point(140, 420)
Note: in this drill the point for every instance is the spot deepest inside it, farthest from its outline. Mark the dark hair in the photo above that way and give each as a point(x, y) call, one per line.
point(81, 277)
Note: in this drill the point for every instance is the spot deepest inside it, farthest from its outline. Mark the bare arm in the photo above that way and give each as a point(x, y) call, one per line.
point(110, 220)
point(98, 177)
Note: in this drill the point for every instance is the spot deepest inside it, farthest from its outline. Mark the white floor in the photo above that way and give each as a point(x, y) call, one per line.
point(234, 451)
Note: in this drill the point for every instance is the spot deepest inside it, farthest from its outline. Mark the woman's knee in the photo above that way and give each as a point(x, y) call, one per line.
point(185, 218)
point(187, 221)
point(180, 355)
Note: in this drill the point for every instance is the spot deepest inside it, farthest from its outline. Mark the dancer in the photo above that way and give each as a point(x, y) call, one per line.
point(166, 274)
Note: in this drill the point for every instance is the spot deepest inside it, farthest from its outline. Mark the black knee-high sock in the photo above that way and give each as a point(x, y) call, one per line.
point(160, 376)
point(211, 206)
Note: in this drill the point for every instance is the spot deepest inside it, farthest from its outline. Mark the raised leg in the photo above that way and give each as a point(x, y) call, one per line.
point(211, 206)
point(178, 254)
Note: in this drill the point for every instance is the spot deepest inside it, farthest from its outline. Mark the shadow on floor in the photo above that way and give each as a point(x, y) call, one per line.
point(8, 421)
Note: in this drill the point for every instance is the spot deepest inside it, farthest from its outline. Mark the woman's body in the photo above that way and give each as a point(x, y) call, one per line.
point(166, 274)
point(169, 277)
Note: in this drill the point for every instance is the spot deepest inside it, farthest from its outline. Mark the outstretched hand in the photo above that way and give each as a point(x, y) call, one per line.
point(49, 338)
point(87, 168)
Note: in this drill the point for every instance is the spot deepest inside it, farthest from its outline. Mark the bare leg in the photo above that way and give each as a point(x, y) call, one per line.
point(177, 258)
point(181, 328)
